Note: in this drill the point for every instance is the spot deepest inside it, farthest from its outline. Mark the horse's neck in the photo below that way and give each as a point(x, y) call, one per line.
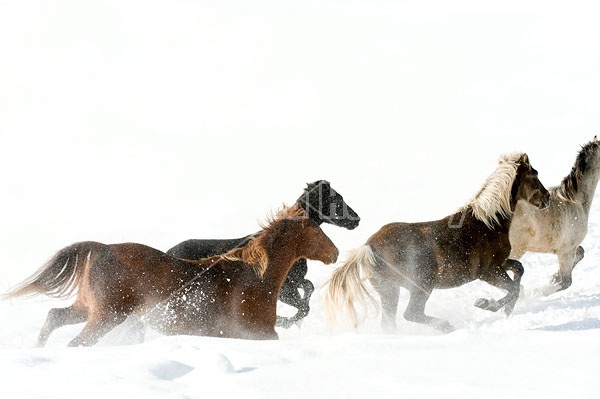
point(502, 227)
point(587, 188)
point(281, 258)
point(278, 267)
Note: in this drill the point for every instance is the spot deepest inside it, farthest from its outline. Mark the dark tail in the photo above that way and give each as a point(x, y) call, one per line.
point(61, 275)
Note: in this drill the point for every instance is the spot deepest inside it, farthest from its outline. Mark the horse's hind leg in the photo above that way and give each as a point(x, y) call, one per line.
point(389, 307)
point(415, 311)
point(97, 326)
point(58, 317)
point(389, 294)
point(499, 278)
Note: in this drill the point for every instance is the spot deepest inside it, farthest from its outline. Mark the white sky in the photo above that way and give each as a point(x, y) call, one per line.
point(159, 121)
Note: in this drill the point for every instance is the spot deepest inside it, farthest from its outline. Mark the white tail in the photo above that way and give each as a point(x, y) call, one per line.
point(347, 286)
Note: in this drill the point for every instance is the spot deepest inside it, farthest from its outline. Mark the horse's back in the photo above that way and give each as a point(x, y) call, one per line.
point(195, 249)
point(401, 245)
point(400, 234)
point(431, 251)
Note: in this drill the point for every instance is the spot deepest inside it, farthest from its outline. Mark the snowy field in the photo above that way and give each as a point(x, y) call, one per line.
point(158, 121)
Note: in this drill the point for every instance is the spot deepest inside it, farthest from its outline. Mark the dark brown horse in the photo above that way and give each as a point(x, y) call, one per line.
point(470, 244)
point(233, 295)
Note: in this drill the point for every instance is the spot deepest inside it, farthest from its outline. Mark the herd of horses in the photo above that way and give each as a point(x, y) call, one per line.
point(230, 288)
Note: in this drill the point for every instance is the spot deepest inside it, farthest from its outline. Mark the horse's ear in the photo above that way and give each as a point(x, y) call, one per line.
point(525, 160)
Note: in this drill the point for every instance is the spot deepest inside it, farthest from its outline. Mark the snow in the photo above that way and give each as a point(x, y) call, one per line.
point(159, 121)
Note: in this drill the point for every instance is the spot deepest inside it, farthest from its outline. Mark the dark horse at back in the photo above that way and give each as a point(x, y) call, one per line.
point(323, 204)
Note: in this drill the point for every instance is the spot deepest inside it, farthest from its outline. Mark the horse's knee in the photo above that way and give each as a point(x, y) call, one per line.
point(308, 288)
point(518, 268)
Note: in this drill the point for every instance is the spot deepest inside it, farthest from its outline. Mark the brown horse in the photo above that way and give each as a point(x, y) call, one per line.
point(232, 295)
point(470, 244)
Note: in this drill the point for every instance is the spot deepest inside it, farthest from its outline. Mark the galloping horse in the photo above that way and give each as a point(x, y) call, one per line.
point(233, 295)
point(562, 227)
point(323, 205)
point(470, 244)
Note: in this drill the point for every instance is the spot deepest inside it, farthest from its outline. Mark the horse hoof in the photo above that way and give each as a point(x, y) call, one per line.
point(482, 303)
point(508, 309)
point(284, 322)
point(445, 327)
point(487, 304)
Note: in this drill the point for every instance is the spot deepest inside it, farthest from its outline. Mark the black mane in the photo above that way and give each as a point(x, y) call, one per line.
point(312, 199)
point(570, 184)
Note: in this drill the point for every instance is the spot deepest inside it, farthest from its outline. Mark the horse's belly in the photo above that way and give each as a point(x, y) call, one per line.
point(454, 275)
point(550, 231)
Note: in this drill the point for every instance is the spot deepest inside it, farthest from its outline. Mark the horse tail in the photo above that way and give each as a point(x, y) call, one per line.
point(61, 275)
point(347, 286)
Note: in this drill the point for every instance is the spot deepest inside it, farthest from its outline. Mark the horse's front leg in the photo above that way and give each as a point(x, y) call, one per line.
point(498, 277)
point(563, 278)
point(291, 296)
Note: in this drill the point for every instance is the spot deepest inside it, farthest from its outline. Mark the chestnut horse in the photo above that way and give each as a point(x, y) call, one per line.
point(470, 244)
point(562, 227)
point(323, 204)
point(234, 295)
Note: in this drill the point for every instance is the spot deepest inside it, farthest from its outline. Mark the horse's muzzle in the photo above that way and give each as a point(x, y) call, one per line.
point(333, 257)
point(541, 200)
point(545, 203)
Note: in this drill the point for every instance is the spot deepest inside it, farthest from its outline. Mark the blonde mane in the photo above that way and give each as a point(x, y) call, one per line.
point(493, 200)
point(254, 253)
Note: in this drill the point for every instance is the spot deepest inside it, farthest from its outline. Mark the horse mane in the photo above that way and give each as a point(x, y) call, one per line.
point(254, 253)
point(492, 202)
point(567, 189)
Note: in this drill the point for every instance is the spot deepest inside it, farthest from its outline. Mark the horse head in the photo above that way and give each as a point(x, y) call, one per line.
point(315, 244)
point(325, 205)
point(529, 187)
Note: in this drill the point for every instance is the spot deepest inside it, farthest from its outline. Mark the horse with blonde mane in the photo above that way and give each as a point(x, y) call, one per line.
point(232, 295)
point(560, 228)
point(470, 244)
